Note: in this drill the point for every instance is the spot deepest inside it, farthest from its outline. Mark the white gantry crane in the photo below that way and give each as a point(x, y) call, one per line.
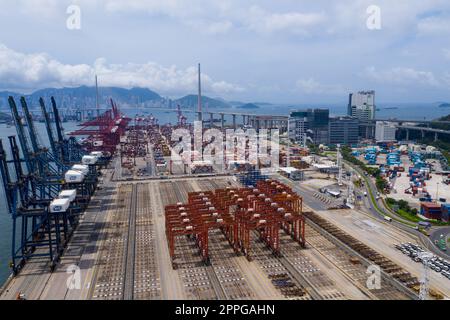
point(425, 279)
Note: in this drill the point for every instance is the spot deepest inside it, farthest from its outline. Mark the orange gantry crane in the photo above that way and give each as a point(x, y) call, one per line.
point(237, 212)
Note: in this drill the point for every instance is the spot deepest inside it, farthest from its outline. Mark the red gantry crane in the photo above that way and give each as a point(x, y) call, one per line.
point(103, 133)
point(237, 212)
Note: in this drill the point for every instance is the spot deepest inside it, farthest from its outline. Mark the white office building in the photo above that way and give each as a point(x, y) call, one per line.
point(298, 130)
point(385, 131)
point(362, 105)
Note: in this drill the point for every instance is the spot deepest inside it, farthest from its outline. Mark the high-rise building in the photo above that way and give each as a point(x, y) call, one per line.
point(344, 130)
point(362, 105)
point(385, 131)
point(311, 124)
point(318, 124)
point(298, 125)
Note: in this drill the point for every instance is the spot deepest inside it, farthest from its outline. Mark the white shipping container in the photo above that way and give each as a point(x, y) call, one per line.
point(97, 154)
point(81, 168)
point(68, 194)
point(72, 176)
point(89, 160)
point(59, 205)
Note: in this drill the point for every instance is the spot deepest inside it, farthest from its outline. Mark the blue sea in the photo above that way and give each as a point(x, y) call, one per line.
point(386, 111)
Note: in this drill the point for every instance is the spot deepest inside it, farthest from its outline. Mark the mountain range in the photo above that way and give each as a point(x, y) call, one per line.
point(85, 97)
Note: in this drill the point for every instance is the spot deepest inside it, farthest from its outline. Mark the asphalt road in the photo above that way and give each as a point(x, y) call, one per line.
point(401, 224)
point(436, 235)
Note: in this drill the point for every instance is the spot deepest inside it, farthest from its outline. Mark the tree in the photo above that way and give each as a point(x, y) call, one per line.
point(381, 183)
point(403, 205)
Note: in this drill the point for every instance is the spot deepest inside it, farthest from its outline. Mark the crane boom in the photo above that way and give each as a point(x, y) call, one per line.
point(48, 127)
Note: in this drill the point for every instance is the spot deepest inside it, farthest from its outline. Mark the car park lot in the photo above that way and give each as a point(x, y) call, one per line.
point(435, 263)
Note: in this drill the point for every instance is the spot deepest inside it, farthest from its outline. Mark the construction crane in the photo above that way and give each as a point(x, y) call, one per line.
point(425, 279)
point(351, 197)
point(339, 164)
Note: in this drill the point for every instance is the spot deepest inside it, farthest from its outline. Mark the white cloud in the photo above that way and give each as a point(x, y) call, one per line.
point(312, 86)
point(215, 17)
point(262, 21)
point(206, 16)
point(172, 8)
point(39, 70)
point(301, 17)
point(219, 27)
point(211, 28)
point(437, 26)
point(401, 76)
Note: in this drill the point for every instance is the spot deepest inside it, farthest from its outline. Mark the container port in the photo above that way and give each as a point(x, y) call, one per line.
point(115, 209)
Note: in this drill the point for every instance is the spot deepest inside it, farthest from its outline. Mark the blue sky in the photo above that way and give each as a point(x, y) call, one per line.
point(284, 51)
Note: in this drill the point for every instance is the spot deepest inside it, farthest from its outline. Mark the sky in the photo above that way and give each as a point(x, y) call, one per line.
point(279, 51)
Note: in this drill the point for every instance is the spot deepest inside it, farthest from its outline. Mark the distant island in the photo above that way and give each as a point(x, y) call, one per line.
point(444, 105)
point(248, 106)
point(191, 101)
point(238, 104)
point(263, 103)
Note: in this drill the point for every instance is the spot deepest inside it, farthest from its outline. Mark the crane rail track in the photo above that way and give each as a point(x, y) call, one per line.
point(394, 274)
point(128, 282)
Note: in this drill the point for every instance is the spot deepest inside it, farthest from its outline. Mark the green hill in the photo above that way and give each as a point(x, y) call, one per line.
point(191, 101)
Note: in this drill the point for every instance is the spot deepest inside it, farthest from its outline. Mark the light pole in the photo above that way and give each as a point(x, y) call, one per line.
point(437, 192)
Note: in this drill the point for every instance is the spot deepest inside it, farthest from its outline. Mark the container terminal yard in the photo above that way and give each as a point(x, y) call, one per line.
point(112, 216)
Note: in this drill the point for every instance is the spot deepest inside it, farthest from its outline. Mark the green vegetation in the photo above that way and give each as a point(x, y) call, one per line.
point(380, 182)
point(444, 146)
point(313, 148)
point(358, 183)
point(442, 126)
point(402, 208)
